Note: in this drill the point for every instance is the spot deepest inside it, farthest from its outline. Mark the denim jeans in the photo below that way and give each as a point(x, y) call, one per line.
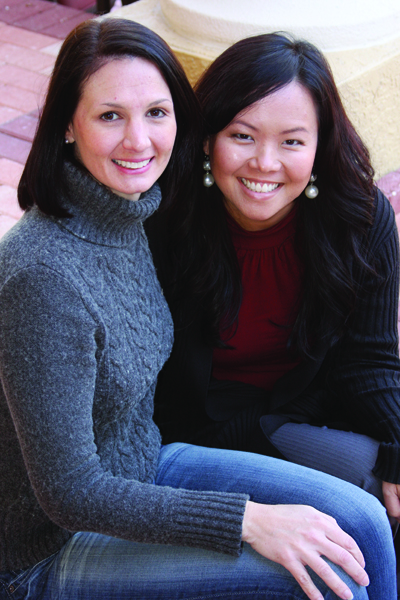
point(95, 567)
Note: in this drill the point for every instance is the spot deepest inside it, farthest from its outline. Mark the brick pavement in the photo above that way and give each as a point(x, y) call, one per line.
point(31, 33)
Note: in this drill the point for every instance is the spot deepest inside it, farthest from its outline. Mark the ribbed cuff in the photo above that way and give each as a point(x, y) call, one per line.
point(387, 466)
point(211, 520)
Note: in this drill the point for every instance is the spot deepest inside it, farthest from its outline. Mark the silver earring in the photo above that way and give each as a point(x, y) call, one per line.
point(208, 179)
point(66, 141)
point(311, 190)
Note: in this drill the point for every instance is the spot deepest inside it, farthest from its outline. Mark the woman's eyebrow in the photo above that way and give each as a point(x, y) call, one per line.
point(284, 132)
point(240, 122)
point(295, 130)
point(153, 103)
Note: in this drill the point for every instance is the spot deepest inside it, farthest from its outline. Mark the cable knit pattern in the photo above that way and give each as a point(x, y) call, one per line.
point(84, 332)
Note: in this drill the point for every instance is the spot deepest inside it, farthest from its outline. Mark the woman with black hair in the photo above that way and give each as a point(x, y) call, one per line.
point(282, 277)
point(92, 505)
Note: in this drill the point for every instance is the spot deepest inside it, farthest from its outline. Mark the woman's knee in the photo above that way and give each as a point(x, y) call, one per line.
point(343, 454)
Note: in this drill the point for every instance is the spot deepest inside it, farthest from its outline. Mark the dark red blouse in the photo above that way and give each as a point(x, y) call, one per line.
point(271, 278)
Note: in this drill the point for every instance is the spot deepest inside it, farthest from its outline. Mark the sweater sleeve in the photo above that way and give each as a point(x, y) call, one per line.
point(366, 372)
point(49, 348)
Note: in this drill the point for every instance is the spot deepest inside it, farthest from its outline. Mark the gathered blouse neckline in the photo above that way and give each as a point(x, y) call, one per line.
point(266, 238)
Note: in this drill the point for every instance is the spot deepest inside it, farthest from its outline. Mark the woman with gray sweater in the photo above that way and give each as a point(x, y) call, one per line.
point(92, 506)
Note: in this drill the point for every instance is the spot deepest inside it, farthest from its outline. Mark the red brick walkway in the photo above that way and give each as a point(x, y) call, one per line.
point(31, 33)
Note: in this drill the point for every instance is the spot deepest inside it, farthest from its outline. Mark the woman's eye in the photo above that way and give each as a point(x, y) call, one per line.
point(109, 116)
point(292, 143)
point(156, 112)
point(242, 136)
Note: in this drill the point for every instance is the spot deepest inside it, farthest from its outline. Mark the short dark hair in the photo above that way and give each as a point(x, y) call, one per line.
point(87, 48)
point(332, 227)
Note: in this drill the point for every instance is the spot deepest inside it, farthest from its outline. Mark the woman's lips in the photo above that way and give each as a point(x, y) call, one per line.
point(254, 186)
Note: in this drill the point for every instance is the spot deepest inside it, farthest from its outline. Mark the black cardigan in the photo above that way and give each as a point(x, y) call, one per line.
point(354, 383)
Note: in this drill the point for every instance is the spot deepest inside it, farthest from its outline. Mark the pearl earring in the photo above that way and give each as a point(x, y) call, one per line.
point(311, 190)
point(208, 179)
point(66, 141)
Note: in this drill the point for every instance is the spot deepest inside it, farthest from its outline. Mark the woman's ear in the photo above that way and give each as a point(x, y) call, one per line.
point(69, 135)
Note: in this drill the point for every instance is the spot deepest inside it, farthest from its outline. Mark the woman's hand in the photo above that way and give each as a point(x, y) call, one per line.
point(391, 496)
point(295, 536)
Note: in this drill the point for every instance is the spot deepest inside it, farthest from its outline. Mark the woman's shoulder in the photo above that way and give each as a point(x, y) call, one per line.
point(26, 240)
point(36, 243)
point(384, 224)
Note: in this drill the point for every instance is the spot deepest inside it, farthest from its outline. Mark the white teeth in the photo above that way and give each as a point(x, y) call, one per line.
point(132, 165)
point(257, 187)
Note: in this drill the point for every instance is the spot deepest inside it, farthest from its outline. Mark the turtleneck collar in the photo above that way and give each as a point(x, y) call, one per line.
point(100, 216)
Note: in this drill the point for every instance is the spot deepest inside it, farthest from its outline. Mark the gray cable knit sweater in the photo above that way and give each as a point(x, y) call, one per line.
point(84, 331)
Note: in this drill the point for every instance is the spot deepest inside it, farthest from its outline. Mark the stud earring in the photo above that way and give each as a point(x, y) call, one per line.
point(208, 179)
point(311, 190)
point(66, 141)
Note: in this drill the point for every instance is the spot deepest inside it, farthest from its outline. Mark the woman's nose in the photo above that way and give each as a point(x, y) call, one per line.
point(266, 158)
point(136, 137)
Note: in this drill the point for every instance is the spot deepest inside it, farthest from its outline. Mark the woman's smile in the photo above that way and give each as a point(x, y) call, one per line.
point(259, 186)
point(126, 164)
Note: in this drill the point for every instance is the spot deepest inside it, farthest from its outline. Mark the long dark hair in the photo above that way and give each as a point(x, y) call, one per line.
point(85, 50)
point(332, 228)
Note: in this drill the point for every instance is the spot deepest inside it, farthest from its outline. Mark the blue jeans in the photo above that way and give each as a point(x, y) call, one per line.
point(95, 567)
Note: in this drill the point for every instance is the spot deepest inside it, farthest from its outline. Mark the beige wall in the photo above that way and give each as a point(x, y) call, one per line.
point(371, 94)
point(360, 38)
